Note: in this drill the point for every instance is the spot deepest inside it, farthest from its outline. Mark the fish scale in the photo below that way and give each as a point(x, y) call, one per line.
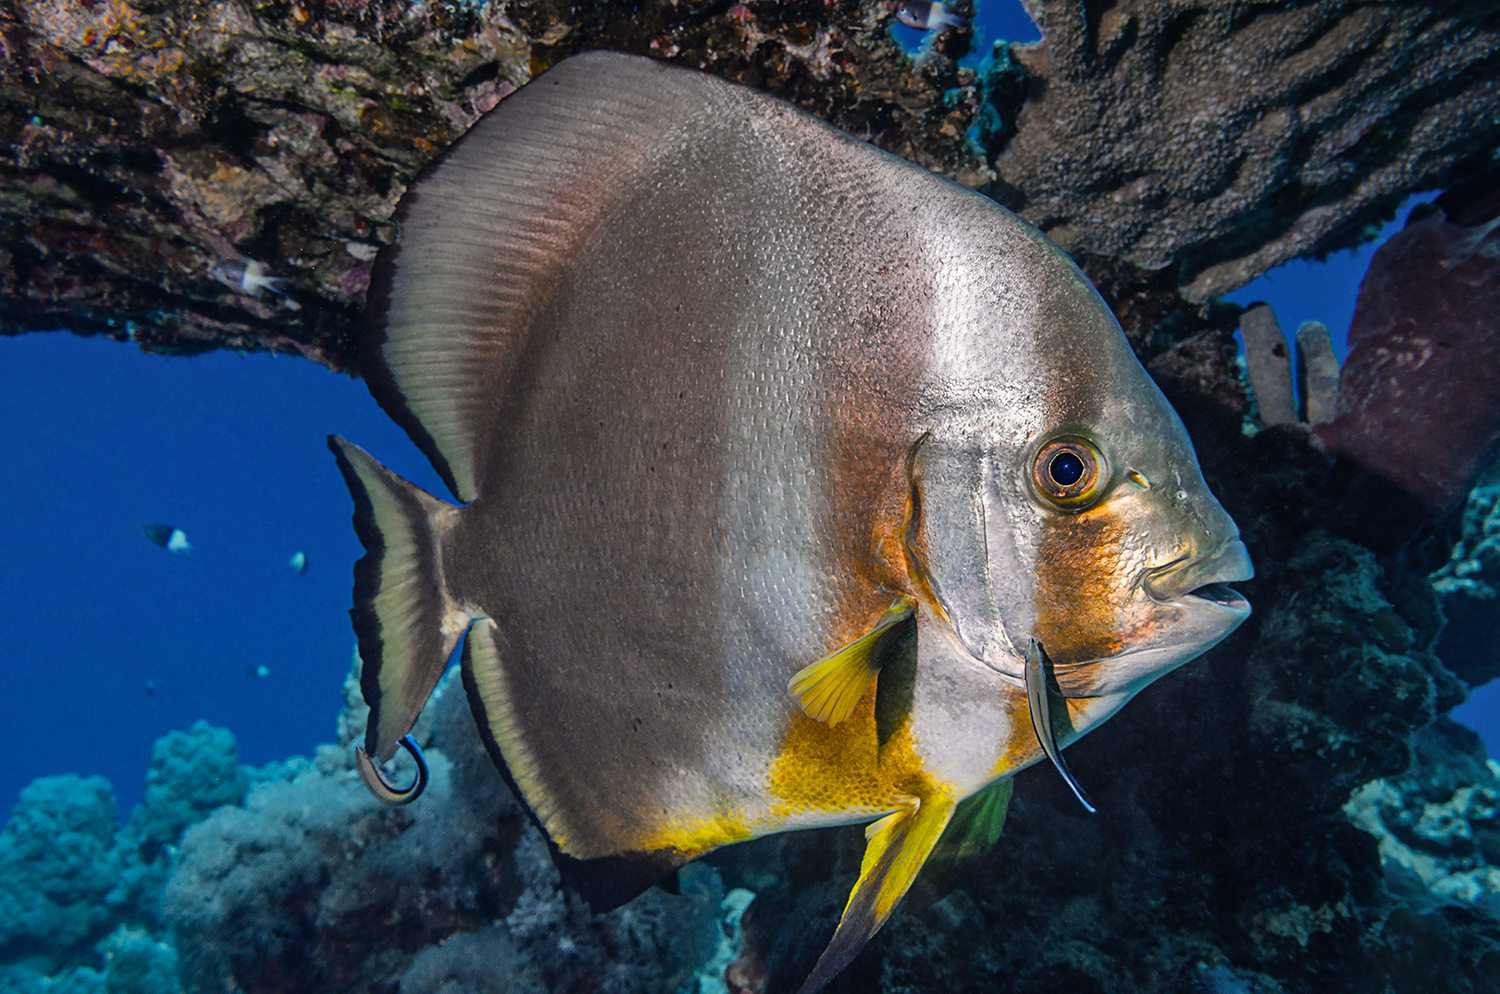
point(749, 421)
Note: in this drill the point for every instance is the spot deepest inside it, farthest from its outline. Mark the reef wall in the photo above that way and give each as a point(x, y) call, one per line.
point(154, 149)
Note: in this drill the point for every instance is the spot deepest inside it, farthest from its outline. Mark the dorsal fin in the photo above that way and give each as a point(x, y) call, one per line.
point(485, 228)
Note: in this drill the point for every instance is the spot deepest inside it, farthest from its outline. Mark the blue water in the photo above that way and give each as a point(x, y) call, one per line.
point(100, 440)
point(994, 20)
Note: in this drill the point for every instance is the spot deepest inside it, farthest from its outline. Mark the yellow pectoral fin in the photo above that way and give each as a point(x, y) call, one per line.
point(897, 846)
point(830, 689)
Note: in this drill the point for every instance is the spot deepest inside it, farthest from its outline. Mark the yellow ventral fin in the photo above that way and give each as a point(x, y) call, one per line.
point(896, 847)
point(830, 689)
point(970, 835)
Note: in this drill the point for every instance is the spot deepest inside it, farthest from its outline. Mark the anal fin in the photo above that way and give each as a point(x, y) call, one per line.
point(605, 882)
point(830, 689)
point(896, 847)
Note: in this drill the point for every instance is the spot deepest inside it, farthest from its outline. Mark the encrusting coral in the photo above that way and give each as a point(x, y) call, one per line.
point(159, 150)
point(80, 898)
point(1223, 139)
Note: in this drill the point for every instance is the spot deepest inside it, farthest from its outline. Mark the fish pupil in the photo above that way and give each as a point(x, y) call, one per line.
point(1065, 469)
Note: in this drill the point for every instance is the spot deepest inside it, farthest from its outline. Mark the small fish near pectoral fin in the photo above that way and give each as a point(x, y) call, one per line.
point(1039, 684)
point(401, 606)
point(605, 883)
point(830, 689)
point(973, 831)
point(897, 846)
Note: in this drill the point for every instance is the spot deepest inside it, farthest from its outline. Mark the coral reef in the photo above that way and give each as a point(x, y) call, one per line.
point(1437, 823)
point(1469, 583)
point(292, 877)
point(57, 863)
point(1225, 139)
point(312, 885)
point(80, 898)
point(158, 151)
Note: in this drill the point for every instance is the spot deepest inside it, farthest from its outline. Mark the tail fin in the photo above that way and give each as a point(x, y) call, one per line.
point(407, 622)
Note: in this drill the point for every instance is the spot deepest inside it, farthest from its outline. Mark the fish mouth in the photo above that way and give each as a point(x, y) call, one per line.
point(1204, 580)
point(1221, 594)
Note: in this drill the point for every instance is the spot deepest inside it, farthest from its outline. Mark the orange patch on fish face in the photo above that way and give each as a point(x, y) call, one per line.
point(1086, 579)
point(844, 768)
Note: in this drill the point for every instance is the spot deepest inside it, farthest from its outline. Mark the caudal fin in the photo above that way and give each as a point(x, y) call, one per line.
point(407, 622)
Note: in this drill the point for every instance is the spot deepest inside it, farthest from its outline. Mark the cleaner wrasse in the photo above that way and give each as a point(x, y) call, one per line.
point(794, 481)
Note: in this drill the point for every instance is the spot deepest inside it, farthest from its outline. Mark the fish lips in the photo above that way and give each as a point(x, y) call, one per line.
point(1208, 610)
point(1204, 580)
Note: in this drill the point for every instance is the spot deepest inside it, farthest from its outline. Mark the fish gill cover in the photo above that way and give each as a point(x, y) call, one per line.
point(1289, 813)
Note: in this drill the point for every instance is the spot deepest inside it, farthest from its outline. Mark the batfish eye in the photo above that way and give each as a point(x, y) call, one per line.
point(1069, 472)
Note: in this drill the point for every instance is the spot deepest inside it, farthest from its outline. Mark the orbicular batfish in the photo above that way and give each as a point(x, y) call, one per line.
point(800, 486)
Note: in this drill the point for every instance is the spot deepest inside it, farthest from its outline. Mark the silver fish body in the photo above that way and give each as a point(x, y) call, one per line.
point(720, 388)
